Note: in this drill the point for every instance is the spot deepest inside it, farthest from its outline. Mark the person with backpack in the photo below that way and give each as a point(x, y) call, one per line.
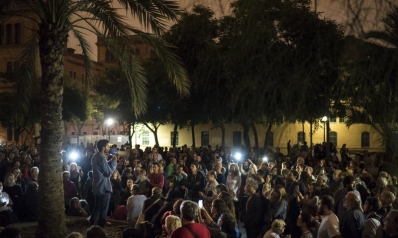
point(195, 182)
point(190, 228)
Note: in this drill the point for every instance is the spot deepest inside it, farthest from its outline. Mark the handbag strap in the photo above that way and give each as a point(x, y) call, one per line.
point(191, 231)
point(151, 205)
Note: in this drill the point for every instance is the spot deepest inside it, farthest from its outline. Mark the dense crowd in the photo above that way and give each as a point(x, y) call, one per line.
point(206, 192)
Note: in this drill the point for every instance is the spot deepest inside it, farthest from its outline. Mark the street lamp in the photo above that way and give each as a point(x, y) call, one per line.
point(109, 122)
point(324, 119)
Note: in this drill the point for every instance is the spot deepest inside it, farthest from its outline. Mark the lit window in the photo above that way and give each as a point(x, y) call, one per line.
point(145, 138)
point(204, 138)
point(365, 139)
point(333, 138)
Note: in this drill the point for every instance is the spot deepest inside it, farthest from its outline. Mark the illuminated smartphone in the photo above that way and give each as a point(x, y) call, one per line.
point(200, 203)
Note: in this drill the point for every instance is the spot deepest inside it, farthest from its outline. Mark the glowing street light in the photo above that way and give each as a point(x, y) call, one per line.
point(324, 119)
point(109, 122)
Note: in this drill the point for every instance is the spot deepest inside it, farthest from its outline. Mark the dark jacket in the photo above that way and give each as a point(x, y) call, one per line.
point(352, 224)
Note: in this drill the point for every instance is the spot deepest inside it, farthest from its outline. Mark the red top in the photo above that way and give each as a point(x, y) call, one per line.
point(156, 180)
point(200, 231)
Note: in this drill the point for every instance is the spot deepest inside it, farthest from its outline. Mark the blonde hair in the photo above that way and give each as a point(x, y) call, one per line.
point(278, 225)
point(75, 235)
point(118, 177)
point(172, 223)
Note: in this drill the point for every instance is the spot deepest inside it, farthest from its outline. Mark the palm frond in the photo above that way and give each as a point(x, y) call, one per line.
point(105, 16)
point(86, 50)
point(382, 36)
point(24, 78)
point(153, 14)
point(131, 66)
point(173, 65)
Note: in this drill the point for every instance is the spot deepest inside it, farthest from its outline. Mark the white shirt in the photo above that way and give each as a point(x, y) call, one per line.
point(233, 183)
point(135, 203)
point(329, 226)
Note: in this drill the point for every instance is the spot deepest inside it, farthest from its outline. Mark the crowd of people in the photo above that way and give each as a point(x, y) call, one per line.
point(206, 192)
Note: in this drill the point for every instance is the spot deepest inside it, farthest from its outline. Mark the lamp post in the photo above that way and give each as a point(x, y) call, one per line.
point(324, 119)
point(109, 122)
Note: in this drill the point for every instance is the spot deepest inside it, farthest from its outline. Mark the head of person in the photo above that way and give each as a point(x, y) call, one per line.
point(227, 223)
point(306, 220)
point(156, 191)
point(65, 176)
point(194, 167)
point(73, 166)
point(278, 226)
point(74, 202)
point(251, 186)
point(171, 181)
point(326, 204)
point(300, 168)
point(349, 183)
point(221, 188)
point(172, 222)
point(278, 193)
point(189, 211)
point(33, 186)
point(176, 205)
point(229, 201)
point(136, 190)
point(95, 232)
point(103, 146)
point(211, 176)
point(386, 199)
point(336, 175)
point(218, 207)
point(293, 176)
point(156, 168)
point(372, 204)
point(234, 169)
point(130, 183)
point(321, 180)
point(34, 171)
point(75, 235)
point(260, 174)
point(9, 180)
point(390, 223)
point(308, 169)
point(351, 201)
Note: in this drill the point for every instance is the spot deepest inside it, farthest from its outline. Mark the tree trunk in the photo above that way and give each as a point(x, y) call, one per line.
point(246, 137)
point(269, 127)
point(175, 135)
point(193, 134)
point(155, 132)
point(51, 210)
point(254, 129)
point(222, 126)
point(311, 122)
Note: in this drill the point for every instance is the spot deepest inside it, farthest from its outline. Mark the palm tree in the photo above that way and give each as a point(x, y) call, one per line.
point(54, 20)
point(390, 33)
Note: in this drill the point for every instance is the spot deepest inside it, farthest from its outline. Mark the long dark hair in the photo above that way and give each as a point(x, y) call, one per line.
point(228, 225)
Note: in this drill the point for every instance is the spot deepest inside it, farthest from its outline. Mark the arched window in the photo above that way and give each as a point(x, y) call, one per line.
point(84, 133)
point(73, 133)
point(95, 133)
point(365, 139)
point(333, 138)
point(17, 33)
